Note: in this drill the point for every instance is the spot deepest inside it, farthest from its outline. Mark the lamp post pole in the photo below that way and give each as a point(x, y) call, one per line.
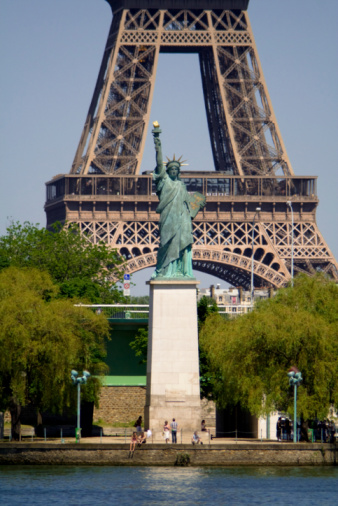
point(78, 411)
point(78, 380)
point(289, 203)
point(295, 377)
point(252, 253)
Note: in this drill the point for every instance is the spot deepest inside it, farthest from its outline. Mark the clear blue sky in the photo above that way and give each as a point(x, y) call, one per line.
point(50, 52)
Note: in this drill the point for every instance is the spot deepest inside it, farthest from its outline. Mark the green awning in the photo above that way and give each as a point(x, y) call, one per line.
point(124, 381)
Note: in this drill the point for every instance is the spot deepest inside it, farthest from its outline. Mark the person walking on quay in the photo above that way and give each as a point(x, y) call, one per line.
point(279, 429)
point(174, 429)
point(166, 431)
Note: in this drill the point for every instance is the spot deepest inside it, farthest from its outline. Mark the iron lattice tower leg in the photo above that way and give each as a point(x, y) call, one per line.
point(244, 133)
point(111, 202)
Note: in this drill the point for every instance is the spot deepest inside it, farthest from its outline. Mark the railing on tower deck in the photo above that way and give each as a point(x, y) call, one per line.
point(141, 311)
point(125, 311)
point(211, 184)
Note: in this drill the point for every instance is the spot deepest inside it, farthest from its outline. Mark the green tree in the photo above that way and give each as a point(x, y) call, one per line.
point(252, 354)
point(139, 299)
point(42, 338)
point(80, 268)
point(140, 345)
point(206, 306)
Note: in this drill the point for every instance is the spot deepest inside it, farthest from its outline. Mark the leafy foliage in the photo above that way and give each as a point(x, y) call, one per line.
point(42, 338)
point(81, 269)
point(140, 345)
point(140, 299)
point(206, 306)
point(251, 355)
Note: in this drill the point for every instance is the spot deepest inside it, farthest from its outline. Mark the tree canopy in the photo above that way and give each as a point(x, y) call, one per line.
point(80, 268)
point(251, 355)
point(42, 338)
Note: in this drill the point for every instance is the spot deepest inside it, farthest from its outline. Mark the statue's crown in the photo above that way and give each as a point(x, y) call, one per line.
point(177, 162)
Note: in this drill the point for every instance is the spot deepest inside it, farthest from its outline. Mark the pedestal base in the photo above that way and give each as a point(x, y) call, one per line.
point(173, 388)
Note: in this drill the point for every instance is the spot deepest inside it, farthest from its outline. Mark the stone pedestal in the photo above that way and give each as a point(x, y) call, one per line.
point(173, 387)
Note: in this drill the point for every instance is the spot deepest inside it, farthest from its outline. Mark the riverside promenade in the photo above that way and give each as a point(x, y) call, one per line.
point(114, 451)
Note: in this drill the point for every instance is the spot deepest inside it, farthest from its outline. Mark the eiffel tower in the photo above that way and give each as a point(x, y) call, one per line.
point(259, 217)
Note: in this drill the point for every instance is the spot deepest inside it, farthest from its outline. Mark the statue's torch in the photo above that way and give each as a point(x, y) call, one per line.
point(156, 130)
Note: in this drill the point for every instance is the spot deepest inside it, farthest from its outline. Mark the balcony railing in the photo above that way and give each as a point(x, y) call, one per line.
point(210, 184)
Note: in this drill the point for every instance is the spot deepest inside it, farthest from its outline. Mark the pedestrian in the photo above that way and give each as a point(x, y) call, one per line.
point(203, 426)
point(133, 442)
point(142, 438)
point(138, 424)
point(174, 429)
point(196, 439)
point(166, 431)
point(278, 429)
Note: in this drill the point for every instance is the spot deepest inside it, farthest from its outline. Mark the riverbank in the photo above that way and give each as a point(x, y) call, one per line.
point(233, 453)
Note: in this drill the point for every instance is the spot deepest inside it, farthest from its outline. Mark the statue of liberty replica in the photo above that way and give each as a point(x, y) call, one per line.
point(173, 387)
point(177, 208)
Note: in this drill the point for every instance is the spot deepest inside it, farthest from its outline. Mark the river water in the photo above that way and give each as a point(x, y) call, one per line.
point(96, 486)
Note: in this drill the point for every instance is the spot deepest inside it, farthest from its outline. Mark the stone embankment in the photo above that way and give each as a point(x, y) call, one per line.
point(226, 454)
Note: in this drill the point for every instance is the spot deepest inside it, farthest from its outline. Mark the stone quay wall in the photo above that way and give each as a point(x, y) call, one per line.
point(258, 454)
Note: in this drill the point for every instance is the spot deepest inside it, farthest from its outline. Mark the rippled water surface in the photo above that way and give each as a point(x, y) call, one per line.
point(51, 485)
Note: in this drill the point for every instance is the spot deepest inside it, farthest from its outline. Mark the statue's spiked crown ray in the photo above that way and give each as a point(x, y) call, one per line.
point(177, 161)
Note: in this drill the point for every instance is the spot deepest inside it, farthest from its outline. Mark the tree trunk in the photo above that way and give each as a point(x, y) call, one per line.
point(15, 411)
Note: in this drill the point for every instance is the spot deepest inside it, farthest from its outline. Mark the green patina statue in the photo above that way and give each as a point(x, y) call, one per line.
point(177, 208)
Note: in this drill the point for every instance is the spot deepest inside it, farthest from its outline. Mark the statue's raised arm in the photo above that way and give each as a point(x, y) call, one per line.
point(159, 169)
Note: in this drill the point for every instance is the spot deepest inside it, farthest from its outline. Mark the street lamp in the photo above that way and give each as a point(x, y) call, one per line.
point(78, 380)
point(295, 377)
point(289, 203)
point(252, 253)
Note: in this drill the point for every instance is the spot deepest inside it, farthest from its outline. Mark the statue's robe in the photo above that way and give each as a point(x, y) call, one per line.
point(175, 225)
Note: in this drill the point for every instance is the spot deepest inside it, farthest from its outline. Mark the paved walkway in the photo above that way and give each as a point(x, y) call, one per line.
point(126, 440)
point(122, 436)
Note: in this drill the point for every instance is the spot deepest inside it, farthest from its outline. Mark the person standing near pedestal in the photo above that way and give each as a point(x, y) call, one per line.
point(174, 429)
point(166, 431)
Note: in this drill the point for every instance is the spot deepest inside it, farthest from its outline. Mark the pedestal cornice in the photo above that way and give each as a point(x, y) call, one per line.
point(169, 282)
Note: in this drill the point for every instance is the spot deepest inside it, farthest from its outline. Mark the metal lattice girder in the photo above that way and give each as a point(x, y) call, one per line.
point(121, 212)
point(244, 134)
point(226, 247)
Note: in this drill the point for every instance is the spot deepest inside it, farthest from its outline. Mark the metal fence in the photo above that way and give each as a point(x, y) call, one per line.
point(129, 311)
point(141, 311)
